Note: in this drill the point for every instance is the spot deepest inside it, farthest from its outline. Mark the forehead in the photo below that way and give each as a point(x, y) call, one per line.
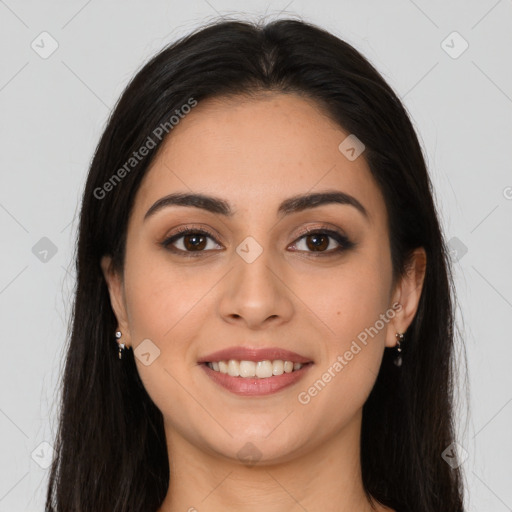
point(258, 151)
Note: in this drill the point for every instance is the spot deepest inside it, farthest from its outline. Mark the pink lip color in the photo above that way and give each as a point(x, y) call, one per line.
point(254, 386)
point(254, 354)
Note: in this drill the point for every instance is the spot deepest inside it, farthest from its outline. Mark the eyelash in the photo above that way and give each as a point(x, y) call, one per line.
point(344, 242)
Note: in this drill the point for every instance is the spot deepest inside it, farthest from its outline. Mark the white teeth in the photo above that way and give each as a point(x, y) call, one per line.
point(278, 367)
point(247, 368)
point(264, 369)
point(251, 369)
point(233, 368)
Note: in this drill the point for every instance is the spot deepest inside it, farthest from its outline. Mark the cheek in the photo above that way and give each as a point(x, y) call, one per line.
point(166, 305)
point(357, 314)
point(163, 310)
point(162, 297)
point(350, 298)
point(353, 304)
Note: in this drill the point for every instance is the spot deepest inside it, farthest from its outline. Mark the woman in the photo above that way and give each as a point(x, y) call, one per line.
point(264, 304)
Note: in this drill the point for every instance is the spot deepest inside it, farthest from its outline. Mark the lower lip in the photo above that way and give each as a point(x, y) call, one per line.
point(247, 386)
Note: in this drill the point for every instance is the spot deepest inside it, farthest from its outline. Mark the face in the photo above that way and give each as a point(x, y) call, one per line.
point(248, 277)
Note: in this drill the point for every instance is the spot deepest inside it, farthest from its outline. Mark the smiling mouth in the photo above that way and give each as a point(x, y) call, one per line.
point(255, 369)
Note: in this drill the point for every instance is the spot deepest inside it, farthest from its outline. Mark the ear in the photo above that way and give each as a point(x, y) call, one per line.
point(117, 297)
point(407, 293)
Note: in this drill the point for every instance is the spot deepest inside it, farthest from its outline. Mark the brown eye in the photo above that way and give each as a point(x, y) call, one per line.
point(189, 241)
point(194, 242)
point(317, 242)
point(323, 242)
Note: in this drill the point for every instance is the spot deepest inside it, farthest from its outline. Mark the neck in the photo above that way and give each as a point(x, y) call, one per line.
point(327, 477)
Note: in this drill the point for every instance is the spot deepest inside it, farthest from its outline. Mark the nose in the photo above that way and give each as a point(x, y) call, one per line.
point(256, 294)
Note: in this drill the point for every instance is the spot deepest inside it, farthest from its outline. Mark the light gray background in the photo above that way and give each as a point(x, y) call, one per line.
point(53, 111)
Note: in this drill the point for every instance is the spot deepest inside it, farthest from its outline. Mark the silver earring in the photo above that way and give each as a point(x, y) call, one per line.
point(399, 339)
point(121, 345)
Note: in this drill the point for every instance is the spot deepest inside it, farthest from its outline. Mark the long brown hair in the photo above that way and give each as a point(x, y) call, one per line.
point(111, 453)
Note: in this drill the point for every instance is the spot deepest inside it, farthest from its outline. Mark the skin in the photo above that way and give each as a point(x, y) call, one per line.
point(254, 153)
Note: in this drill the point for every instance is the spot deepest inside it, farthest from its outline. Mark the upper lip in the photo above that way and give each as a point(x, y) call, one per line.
point(254, 354)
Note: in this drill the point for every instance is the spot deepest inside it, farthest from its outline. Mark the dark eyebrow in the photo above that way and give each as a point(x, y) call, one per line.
point(291, 205)
point(208, 203)
point(302, 202)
